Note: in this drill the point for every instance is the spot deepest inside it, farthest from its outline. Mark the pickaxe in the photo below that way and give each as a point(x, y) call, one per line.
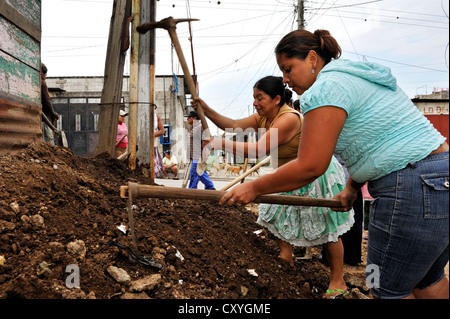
point(170, 25)
point(134, 190)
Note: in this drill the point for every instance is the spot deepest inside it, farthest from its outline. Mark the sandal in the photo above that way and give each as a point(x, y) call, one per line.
point(336, 294)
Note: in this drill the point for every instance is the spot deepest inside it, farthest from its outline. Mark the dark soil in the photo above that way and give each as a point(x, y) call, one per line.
point(50, 198)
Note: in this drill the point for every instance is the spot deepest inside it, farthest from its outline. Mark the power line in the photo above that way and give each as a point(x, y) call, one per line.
point(445, 56)
point(442, 6)
point(400, 63)
point(241, 20)
point(349, 5)
point(394, 17)
point(348, 34)
point(392, 22)
point(90, 1)
point(268, 58)
point(391, 10)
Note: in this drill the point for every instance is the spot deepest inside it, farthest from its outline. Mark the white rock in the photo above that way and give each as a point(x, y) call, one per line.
point(15, 207)
point(77, 248)
point(119, 274)
point(146, 283)
point(37, 221)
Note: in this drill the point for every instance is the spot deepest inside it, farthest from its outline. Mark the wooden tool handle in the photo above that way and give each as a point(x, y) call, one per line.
point(49, 123)
point(188, 78)
point(254, 168)
point(150, 191)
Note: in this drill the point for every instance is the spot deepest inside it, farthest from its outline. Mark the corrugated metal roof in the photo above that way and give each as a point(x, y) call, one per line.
point(20, 124)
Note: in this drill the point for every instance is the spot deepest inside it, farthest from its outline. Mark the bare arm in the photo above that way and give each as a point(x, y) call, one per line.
point(160, 130)
point(282, 131)
point(321, 129)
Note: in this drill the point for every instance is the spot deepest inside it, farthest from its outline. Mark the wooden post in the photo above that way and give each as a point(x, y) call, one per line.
point(152, 92)
point(133, 91)
point(113, 81)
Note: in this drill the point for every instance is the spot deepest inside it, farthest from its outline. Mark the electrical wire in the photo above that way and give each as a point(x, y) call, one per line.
point(346, 31)
point(256, 74)
point(397, 17)
point(442, 6)
point(397, 11)
point(445, 56)
point(316, 10)
point(400, 63)
point(392, 22)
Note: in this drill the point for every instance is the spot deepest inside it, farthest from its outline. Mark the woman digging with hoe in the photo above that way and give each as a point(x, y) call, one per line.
point(291, 225)
point(357, 110)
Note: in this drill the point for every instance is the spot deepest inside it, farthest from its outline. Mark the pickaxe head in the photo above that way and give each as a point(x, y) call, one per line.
point(167, 23)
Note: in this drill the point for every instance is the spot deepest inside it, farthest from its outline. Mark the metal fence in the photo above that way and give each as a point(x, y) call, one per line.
point(79, 120)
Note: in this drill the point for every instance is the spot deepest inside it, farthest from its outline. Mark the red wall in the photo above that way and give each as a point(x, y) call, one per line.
point(440, 122)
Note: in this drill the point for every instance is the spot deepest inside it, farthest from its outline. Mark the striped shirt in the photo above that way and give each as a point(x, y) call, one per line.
point(195, 141)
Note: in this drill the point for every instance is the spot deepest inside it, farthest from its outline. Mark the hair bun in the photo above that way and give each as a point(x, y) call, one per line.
point(321, 34)
point(328, 43)
point(299, 43)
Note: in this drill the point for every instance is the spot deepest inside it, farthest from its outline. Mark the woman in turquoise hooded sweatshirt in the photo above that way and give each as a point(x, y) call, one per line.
point(357, 110)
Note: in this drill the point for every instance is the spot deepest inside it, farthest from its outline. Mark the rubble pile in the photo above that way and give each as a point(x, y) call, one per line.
point(64, 234)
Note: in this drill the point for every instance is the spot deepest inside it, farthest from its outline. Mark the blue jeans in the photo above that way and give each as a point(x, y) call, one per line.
point(195, 178)
point(409, 228)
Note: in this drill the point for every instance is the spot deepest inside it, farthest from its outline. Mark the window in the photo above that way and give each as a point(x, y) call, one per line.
point(78, 122)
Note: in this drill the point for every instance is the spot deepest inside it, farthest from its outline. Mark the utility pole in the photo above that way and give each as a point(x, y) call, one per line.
point(143, 111)
point(301, 15)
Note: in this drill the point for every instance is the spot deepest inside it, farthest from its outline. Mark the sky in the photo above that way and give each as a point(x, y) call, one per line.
point(234, 40)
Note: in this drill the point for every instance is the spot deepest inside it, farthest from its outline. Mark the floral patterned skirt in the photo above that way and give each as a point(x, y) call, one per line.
point(310, 226)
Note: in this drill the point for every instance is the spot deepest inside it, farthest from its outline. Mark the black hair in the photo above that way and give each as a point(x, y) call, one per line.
point(193, 114)
point(288, 95)
point(273, 86)
point(298, 43)
point(43, 68)
point(297, 105)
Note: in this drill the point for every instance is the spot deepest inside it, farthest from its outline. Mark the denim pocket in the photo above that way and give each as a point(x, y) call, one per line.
point(381, 211)
point(435, 195)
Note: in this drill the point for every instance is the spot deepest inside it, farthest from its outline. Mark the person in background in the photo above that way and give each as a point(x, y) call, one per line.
point(288, 97)
point(47, 109)
point(159, 131)
point(122, 135)
point(357, 110)
point(296, 105)
point(170, 164)
point(195, 152)
point(351, 240)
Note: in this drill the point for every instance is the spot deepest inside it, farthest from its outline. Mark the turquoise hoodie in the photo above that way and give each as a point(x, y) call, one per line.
point(384, 130)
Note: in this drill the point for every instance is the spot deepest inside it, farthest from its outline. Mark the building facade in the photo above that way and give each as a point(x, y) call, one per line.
point(435, 107)
point(77, 100)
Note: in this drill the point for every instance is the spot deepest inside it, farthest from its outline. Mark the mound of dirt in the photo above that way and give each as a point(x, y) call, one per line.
point(64, 234)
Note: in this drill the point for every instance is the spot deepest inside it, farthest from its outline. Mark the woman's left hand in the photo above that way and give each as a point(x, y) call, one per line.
point(347, 197)
point(241, 194)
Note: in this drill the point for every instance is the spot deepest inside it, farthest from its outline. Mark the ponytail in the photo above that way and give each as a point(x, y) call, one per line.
point(298, 44)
